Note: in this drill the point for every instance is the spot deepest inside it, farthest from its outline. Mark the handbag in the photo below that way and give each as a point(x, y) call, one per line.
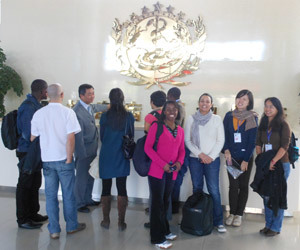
point(128, 144)
point(141, 161)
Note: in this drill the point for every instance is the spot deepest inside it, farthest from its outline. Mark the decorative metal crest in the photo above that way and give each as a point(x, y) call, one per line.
point(158, 46)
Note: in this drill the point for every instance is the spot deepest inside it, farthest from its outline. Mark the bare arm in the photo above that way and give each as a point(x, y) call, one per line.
point(70, 147)
point(32, 137)
point(280, 153)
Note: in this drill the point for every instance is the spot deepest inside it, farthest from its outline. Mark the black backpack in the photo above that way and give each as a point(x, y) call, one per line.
point(197, 214)
point(9, 130)
point(140, 159)
point(293, 150)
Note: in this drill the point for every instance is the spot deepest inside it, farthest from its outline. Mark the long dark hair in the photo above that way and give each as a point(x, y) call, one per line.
point(117, 113)
point(163, 116)
point(276, 123)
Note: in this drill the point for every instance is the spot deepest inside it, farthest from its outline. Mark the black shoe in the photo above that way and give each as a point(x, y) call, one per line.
point(271, 233)
point(83, 209)
point(93, 203)
point(147, 225)
point(264, 230)
point(30, 225)
point(147, 210)
point(39, 218)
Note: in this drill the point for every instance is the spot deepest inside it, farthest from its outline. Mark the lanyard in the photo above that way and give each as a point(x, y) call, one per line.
point(269, 135)
point(239, 123)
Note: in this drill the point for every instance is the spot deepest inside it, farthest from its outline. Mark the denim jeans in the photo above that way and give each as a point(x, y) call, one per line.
point(59, 172)
point(211, 172)
point(275, 222)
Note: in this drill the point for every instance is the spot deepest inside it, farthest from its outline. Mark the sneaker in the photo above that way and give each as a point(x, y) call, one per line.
point(221, 229)
point(229, 220)
point(237, 221)
point(171, 236)
point(165, 245)
point(54, 236)
point(80, 227)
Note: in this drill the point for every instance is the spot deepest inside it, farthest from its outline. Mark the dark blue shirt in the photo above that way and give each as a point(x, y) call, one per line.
point(25, 114)
point(239, 151)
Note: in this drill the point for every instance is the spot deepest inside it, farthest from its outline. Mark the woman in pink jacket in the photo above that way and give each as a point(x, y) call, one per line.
point(166, 162)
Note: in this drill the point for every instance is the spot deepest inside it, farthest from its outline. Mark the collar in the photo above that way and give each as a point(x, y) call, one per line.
point(84, 104)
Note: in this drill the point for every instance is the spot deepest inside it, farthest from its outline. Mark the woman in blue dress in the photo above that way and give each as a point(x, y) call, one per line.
point(114, 124)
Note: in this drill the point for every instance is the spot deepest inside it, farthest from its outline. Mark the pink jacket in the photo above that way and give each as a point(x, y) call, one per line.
point(168, 149)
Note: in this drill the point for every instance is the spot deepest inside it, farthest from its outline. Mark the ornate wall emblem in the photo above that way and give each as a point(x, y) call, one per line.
point(158, 46)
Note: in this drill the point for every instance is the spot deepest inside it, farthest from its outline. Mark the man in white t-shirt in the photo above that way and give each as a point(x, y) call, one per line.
point(56, 125)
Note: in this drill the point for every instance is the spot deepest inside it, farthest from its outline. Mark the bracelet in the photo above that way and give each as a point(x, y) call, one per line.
point(273, 162)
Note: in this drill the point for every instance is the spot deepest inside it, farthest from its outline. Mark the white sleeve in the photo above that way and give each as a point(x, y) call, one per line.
point(34, 125)
point(220, 140)
point(73, 125)
point(187, 137)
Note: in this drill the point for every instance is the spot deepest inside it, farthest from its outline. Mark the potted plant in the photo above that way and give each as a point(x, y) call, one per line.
point(9, 79)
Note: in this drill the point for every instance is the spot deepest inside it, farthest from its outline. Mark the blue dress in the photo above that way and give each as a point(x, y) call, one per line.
point(112, 163)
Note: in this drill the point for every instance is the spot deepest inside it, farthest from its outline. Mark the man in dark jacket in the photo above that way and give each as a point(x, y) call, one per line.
point(27, 195)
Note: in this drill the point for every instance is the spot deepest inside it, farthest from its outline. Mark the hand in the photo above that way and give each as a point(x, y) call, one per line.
point(272, 165)
point(205, 158)
point(178, 166)
point(228, 157)
point(244, 166)
point(167, 168)
point(68, 161)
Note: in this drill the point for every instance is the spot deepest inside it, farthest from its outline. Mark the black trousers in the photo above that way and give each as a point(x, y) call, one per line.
point(27, 194)
point(121, 186)
point(161, 190)
point(238, 190)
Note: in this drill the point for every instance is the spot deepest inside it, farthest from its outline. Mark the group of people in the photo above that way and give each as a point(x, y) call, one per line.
point(205, 137)
point(59, 132)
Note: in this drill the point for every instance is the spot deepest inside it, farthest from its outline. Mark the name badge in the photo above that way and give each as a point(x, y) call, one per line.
point(268, 147)
point(237, 138)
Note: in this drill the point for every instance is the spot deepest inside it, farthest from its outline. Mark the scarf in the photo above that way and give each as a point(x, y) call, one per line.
point(199, 120)
point(247, 115)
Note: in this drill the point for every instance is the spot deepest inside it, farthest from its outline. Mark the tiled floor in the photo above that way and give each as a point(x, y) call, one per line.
point(136, 237)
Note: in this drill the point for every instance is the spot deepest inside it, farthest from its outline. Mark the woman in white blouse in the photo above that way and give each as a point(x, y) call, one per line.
point(204, 137)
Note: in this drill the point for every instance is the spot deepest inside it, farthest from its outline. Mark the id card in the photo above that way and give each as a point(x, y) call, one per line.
point(268, 147)
point(237, 138)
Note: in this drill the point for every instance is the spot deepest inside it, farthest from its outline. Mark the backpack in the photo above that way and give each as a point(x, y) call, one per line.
point(293, 150)
point(9, 130)
point(197, 214)
point(141, 161)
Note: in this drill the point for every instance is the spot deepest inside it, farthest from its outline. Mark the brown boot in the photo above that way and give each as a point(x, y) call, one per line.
point(122, 204)
point(105, 200)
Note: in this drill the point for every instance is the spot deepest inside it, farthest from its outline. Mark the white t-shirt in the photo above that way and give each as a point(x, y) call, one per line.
point(53, 123)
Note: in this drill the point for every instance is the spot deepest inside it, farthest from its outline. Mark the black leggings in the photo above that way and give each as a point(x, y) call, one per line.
point(121, 186)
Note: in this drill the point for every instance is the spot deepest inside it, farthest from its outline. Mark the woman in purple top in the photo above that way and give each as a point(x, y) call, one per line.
point(166, 162)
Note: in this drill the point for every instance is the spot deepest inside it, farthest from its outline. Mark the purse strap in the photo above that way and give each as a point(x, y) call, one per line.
point(127, 117)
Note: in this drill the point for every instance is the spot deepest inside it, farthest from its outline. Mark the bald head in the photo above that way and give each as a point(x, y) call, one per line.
point(55, 92)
